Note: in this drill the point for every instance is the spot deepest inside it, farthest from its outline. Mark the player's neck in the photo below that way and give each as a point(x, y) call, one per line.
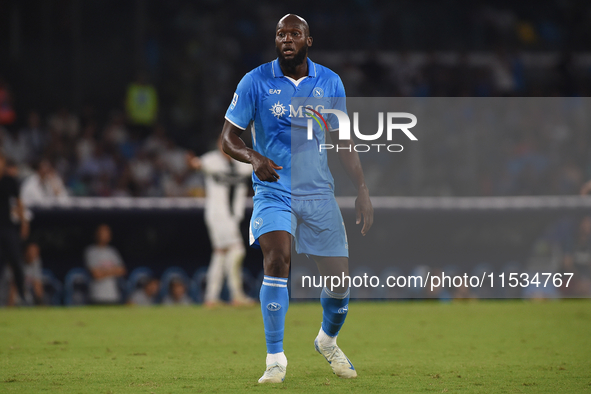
point(297, 72)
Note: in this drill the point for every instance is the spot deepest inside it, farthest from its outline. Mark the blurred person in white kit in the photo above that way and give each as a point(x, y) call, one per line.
point(44, 183)
point(226, 190)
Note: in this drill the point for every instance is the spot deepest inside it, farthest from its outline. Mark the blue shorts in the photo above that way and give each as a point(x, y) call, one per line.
point(316, 224)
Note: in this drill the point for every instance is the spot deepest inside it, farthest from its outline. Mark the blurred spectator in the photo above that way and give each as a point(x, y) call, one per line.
point(85, 145)
point(33, 278)
point(116, 132)
point(142, 170)
point(43, 184)
point(105, 265)
point(125, 186)
point(174, 158)
point(156, 142)
point(146, 294)
point(99, 171)
point(64, 123)
point(35, 136)
point(173, 185)
point(7, 113)
point(15, 146)
point(577, 259)
point(141, 104)
point(177, 293)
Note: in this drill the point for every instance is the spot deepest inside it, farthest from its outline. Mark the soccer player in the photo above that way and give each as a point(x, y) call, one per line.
point(225, 189)
point(309, 214)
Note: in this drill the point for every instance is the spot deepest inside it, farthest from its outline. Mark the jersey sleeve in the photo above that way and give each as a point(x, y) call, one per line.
point(241, 110)
point(339, 101)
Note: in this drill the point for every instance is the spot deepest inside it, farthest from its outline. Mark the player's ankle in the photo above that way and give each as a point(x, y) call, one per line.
point(277, 358)
point(326, 340)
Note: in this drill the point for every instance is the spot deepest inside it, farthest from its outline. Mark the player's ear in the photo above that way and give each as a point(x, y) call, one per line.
point(310, 39)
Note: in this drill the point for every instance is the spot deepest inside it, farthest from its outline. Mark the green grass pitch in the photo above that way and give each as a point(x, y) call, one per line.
point(403, 347)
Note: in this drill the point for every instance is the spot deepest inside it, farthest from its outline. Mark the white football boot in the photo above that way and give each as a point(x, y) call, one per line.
point(276, 366)
point(275, 373)
point(340, 364)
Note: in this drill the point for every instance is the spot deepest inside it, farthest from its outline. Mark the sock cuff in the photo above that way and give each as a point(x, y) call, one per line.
point(338, 296)
point(274, 281)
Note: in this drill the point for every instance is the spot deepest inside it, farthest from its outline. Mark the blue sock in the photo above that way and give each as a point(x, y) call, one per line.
point(335, 307)
point(274, 303)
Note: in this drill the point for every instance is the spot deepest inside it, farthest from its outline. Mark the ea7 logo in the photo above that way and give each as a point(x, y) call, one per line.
point(274, 91)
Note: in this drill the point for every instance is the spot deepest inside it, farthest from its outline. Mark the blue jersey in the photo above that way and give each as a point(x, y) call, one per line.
point(273, 105)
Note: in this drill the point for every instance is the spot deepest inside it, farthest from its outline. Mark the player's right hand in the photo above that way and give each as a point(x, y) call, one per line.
point(264, 168)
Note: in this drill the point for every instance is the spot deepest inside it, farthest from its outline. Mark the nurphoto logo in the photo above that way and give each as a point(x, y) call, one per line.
point(345, 129)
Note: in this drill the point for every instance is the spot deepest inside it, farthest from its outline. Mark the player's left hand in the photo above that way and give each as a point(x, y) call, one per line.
point(364, 210)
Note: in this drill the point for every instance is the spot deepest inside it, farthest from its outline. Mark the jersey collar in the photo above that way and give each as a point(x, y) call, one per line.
point(277, 73)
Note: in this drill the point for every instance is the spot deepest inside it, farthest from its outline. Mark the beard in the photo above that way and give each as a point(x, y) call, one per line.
point(290, 65)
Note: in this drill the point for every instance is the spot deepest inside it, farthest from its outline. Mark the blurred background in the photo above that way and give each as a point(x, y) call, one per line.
point(109, 96)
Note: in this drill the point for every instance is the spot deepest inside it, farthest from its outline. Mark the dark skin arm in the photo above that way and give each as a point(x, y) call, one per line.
point(350, 161)
point(264, 168)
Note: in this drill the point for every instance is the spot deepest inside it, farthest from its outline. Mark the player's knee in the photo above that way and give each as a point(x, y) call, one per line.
point(277, 264)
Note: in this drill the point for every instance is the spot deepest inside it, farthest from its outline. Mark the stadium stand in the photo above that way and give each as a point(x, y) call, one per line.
point(52, 288)
point(135, 277)
point(170, 274)
point(76, 285)
point(198, 284)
